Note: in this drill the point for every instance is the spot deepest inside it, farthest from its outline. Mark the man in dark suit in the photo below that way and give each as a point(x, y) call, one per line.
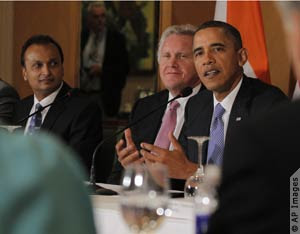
point(259, 172)
point(177, 71)
point(104, 60)
point(75, 119)
point(254, 97)
point(8, 97)
point(219, 58)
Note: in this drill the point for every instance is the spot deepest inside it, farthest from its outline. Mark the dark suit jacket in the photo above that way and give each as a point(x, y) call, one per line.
point(255, 189)
point(114, 71)
point(76, 120)
point(253, 97)
point(8, 97)
point(146, 130)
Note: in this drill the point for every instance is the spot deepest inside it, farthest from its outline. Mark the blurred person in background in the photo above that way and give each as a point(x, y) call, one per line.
point(104, 60)
point(8, 98)
point(42, 190)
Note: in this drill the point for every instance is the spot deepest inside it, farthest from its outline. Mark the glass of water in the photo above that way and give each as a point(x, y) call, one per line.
point(144, 197)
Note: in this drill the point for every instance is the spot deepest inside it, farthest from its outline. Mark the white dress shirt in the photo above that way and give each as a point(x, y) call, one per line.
point(227, 103)
point(47, 100)
point(180, 111)
point(93, 54)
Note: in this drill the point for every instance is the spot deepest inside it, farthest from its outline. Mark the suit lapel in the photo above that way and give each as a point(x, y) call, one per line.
point(197, 123)
point(241, 106)
point(25, 108)
point(56, 109)
point(200, 112)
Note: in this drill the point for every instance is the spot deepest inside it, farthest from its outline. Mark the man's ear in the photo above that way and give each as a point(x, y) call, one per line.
point(243, 56)
point(24, 73)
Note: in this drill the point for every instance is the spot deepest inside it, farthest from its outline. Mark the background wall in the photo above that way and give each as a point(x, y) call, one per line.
point(6, 42)
point(19, 20)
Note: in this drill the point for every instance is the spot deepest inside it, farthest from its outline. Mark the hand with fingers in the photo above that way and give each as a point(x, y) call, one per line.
point(127, 151)
point(179, 167)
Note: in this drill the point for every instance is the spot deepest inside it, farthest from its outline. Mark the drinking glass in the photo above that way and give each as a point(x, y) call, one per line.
point(144, 197)
point(193, 182)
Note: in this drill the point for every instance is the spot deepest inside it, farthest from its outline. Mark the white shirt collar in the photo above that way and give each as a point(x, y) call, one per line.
point(181, 110)
point(183, 101)
point(227, 104)
point(49, 99)
point(228, 101)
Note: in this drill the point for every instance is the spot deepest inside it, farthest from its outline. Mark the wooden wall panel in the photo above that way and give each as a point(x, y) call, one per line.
point(61, 20)
point(276, 46)
point(6, 42)
point(193, 12)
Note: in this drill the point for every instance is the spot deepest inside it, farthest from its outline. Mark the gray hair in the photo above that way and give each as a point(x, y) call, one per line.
point(184, 29)
point(95, 4)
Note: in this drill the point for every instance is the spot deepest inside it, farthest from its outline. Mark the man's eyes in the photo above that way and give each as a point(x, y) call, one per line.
point(53, 63)
point(37, 65)
point(40, 65)
point(182, 56)
point(198, 53)
point(218, 49)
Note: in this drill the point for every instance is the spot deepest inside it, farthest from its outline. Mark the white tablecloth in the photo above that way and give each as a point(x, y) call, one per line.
point(109, 220)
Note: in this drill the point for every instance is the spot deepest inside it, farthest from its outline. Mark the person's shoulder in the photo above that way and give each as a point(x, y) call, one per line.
point(156, 97)
point(7, 90)
point(25, 100)
point(260, 85)
point(150, 102)
point(81, 101)
point(34, 165)
point(75, 101)
point(112, 33)
point(202, 96)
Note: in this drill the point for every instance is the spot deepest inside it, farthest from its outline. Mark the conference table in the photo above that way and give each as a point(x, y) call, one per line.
point(108, 217)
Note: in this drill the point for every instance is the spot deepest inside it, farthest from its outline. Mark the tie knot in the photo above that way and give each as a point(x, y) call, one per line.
point(38, 107)
point(219, 111)
point(174, 105)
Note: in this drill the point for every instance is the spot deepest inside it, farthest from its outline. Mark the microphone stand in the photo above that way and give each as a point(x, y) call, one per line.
point(98, 190)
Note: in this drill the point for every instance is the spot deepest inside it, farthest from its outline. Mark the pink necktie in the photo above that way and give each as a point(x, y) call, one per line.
point(168, 125)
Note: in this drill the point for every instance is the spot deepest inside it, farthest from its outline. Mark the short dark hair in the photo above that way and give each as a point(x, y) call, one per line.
point(227, 28)
point(40, 40)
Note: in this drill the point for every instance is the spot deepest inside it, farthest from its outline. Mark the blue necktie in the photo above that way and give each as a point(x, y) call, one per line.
point(36, 120)
point(216, 142)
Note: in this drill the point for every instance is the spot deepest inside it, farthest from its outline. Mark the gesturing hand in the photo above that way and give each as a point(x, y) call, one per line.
point(127, 151)
point(179, 166)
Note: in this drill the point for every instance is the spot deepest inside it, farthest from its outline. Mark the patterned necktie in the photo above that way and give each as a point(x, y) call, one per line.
point(216, 142)
point(36, 120)
point(168, 125)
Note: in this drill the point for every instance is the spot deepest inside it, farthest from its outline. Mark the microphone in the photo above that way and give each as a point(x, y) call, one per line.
point(70, 93)
point(103, 191)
